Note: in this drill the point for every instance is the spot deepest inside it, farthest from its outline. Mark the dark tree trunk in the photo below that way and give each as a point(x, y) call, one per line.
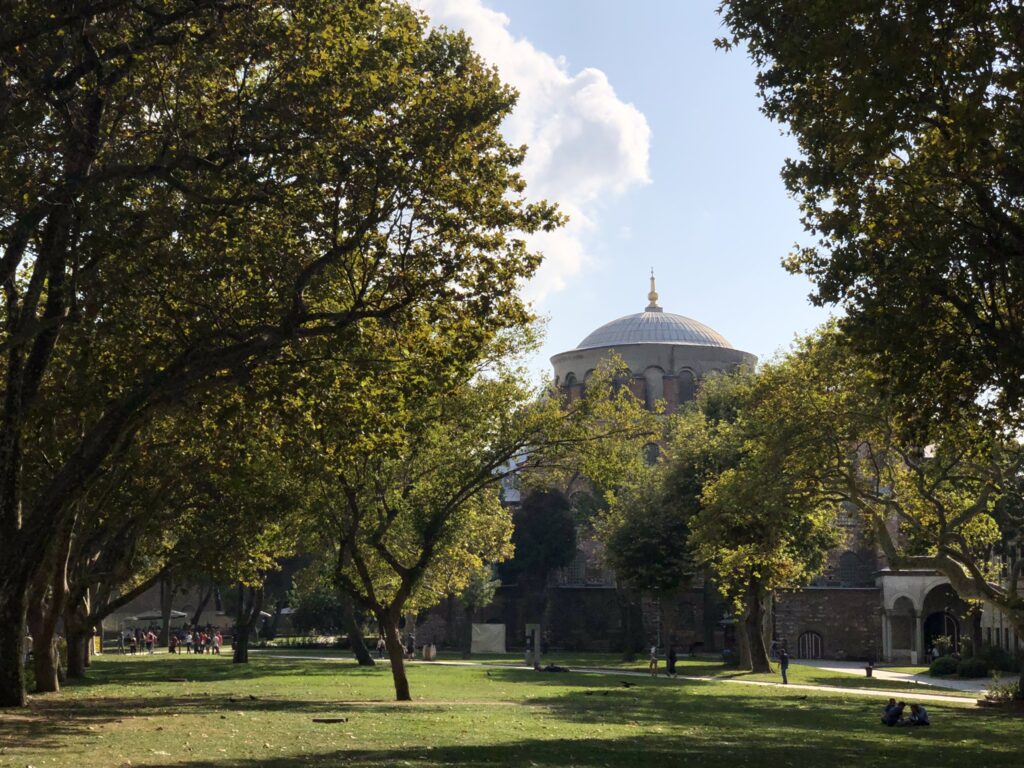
point(78, 630)
point(45, 660)
point(396, 653)
point(78, 652)
point(201, 607)
point(166, 598)
point(272, 629)
point(451, 638)
point(250, 602)
point(355, 634)
point(12, 640)
point(754, 630)
point(467, 634)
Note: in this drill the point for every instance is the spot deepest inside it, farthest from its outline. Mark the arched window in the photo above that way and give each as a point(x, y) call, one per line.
point(809, 646)
point(687, 386)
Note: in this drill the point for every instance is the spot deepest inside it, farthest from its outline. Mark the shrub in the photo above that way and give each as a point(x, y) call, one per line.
point(1003, 693)
point(943, 666)
point(972, 667)
point(997, 658)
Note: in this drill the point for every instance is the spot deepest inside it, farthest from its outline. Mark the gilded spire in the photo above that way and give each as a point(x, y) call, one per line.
point(652, 297)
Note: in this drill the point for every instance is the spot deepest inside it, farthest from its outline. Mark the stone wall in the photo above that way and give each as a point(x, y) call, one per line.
point(848, 621)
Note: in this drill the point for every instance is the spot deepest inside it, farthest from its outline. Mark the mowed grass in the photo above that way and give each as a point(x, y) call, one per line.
point(188, 711)
point(689, 667)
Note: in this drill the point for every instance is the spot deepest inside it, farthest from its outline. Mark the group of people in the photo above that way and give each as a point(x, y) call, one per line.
point(892, 715)
point(194, 640)
point(138, 640)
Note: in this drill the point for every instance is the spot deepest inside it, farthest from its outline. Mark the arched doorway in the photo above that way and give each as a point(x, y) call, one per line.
point(809, 646)
point(944, 613)
point(941, 624)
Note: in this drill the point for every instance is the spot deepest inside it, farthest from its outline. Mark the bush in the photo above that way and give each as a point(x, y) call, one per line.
point(943, 667)
point(972, 667)
point(997, 658)
point(1003, 693)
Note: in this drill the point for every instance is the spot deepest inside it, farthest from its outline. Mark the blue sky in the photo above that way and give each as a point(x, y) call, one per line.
point(654, 141)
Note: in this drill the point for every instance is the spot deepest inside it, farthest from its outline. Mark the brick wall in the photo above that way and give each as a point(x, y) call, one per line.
point(848, 620)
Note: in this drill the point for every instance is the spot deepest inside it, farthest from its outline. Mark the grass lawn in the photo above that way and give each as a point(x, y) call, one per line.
point(187, 711)
point(798, 673)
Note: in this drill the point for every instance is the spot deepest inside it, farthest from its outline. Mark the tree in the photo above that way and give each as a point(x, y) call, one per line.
point(909, 119)
point(403, 519)
point(190, 192)
point(544, 537)
point(951, 503)
point(719, 498)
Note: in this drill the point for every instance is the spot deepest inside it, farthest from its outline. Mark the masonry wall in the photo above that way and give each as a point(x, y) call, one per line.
point(848, 621)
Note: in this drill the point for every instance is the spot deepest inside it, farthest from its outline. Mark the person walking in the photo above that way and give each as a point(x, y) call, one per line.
point(670, 661)
point(652, 665)
point(784, 666)
point(381, 647)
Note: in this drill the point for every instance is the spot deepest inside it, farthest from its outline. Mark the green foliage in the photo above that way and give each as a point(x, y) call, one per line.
point(999, 659)
point(972, 667)
point(909, 119)
point(757, 520)
point(647, 545)
point(943, 666)
point(544, 537)
point(480, 589)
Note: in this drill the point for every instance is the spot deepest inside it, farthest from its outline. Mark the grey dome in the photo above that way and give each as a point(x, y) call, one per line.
point(654, 327)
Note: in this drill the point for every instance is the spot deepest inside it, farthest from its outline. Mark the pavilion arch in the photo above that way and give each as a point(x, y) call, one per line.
point(570, 379)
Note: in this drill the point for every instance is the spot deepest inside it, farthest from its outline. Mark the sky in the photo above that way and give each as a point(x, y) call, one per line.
point(652, 141)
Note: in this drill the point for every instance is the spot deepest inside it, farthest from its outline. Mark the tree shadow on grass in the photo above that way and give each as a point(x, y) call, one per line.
point(183, 668)
point(711, 750)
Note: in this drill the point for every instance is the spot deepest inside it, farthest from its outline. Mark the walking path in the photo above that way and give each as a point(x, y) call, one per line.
point(978, 685)
point(876, 692)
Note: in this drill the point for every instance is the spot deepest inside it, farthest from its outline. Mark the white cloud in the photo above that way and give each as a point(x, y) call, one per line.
point(585, 144)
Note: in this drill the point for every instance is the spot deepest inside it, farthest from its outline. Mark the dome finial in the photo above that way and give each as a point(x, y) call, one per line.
point(653, 296)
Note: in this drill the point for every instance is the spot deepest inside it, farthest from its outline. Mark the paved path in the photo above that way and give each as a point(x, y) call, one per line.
point(978, 685)
point(875, 692)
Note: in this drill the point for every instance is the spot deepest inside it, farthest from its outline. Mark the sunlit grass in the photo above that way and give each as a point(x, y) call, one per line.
point(162, 711)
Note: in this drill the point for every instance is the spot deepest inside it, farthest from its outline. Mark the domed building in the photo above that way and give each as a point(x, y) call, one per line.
point(667, 354)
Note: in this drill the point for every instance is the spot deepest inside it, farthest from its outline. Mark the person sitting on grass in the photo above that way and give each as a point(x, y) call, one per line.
point(918, 715)
point(893, 714)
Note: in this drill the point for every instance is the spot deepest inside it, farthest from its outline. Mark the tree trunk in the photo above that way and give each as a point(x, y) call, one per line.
point(166, 595)
point(78, 651)
point(743, 654)
point(272, 629)
point(44, 650)
point(12, 640)
point(467, 634)
point(355, 634)
point(201, 607)
point(754, 629)
point(248, 611)
point(396, 653)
